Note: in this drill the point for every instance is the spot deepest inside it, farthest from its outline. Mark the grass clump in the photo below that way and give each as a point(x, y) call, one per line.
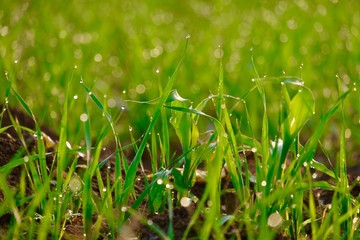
point(200, 145)
point(274, 191)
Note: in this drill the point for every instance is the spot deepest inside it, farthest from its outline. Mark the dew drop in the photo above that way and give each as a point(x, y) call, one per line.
point(123, 107)
point(263, 183)
point(16, 61)
point(354, 89)
point(314, 176)
point(157, 70)
point(26, 159)
point(90, 93)
point(76, 97)
point(275, 219)
point(75, 184)
point(81, 80)
point(169, 186)
point(123, 209)
point(75, 67)
point(130, 128)
point(150, 222)
point(305, 164)
point(185, 202)
point(104, 189)
point(159, 181)
point(254, 150)
point(84, 117)
point(187, 36)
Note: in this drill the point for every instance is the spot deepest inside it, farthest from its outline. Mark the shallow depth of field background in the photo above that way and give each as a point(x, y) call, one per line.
point(119, 46)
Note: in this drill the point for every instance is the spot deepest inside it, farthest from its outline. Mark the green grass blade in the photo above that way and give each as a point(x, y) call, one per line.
point(131, 173)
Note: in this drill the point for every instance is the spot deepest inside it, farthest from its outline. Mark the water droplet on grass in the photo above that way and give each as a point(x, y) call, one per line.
point(169, 186)
point(150, 222)
point(157, 70)
point(123, 209)
point(305, 164)
point(84, 117)
point(26, 159)
point(159, 181)
point(130, 128)
point(314, 176)
point(75, 184)
point(187, 36)
point(76, 97)
point(123, 107)
point(263, 183)
point(16, 61)
point(254, 150)
point(275, 219)
point(185, 202)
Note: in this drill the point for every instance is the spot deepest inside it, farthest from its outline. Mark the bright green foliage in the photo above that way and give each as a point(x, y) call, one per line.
point(90, 70)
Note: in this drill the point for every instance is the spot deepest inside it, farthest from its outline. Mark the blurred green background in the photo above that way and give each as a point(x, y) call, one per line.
point(117, 47)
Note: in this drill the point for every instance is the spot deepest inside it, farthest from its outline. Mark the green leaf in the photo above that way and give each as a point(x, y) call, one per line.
point(302, 106)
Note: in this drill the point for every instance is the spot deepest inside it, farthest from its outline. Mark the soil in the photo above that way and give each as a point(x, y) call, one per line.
point(12, 143)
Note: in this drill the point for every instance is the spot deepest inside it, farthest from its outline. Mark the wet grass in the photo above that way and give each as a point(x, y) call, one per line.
point(297, 125)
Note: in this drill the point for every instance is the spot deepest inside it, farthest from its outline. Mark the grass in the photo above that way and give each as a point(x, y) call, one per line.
point(292, 121)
